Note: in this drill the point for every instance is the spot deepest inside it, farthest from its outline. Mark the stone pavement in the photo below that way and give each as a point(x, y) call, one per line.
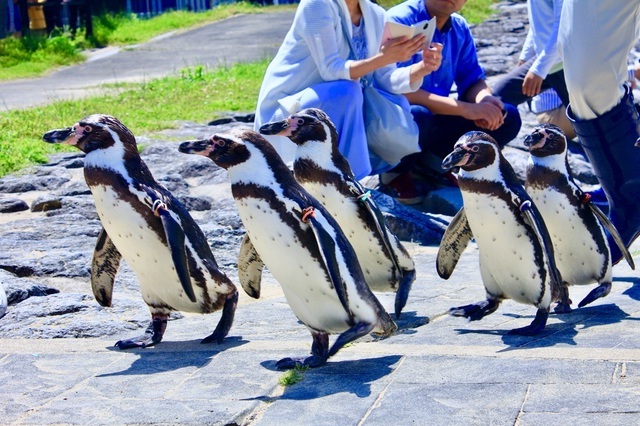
point(584, 369)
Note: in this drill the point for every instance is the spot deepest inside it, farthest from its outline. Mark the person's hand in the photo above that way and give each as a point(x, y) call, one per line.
point(532, 84)
point(432, 57)
point(487, 114)
point(401, 49)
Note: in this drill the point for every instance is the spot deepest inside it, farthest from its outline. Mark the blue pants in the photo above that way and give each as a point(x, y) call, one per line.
point(438, 133)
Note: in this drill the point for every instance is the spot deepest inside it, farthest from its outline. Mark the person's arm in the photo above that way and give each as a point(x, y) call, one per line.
point(395, 50)
point(546, 59)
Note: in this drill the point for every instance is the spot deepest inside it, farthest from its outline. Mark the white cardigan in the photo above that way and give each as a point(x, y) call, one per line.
point(315, 50)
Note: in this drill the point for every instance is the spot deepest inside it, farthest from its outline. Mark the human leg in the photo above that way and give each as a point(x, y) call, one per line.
point(601, 106)
point(594, 40)
point(342, 101)
point(608, 140)
point(509, 87)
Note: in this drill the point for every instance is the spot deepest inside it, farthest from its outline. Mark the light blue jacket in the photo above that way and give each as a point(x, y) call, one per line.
point(315, 50)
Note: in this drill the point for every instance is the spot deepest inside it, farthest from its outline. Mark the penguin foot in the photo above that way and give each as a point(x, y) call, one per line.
point(601, 291)
point(291, 363)
point(475, 311)
point(152, 335)
point(319, 354)
point(563, 307)
point(403, 291)
point(355, 332)
point(536, 326)
point(224, 325)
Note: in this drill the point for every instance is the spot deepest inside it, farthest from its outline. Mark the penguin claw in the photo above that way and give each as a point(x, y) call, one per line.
point(475, 311)
point(138, 342)
point(291, 363)
point(563, 308)
point(536, 326)
point(601, 291)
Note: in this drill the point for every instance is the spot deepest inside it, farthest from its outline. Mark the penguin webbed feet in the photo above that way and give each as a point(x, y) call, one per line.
point(563, 307)
point(355, 332)
point(226, 320)
point(152, 335)
point(537, 325)
point(312, 361)
point(319, 354)
point(601, 291)
point(564, 304)
point(402, 294)
point(475, 311)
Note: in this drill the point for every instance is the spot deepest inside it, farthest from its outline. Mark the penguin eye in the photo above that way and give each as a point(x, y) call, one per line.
point(475, 148)
point(87, 129)
point(300, 121)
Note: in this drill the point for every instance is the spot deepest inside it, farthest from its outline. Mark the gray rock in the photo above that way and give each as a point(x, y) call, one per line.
point(46, 203)
point(12, 205)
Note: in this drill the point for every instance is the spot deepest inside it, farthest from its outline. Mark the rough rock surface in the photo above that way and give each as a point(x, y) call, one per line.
point(46, 249)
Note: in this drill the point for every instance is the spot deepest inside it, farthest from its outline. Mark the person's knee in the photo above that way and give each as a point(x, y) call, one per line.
point(346, 92)
point(512, 124)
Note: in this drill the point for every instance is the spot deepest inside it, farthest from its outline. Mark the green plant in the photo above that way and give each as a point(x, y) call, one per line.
point(293, 376)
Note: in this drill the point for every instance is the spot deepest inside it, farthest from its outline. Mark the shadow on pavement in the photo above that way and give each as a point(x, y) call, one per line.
point(354, 377)
point(169, 356)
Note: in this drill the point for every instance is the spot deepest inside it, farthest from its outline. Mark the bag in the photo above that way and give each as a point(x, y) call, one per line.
point(391, 132)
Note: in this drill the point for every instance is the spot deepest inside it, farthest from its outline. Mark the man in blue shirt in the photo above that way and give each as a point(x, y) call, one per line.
point(443, 119)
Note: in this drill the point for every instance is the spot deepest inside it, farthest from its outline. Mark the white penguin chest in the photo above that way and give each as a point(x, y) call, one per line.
point(507, 259)
point(375, 263)
point(302, 276)
point(576, 252)
point(142, 249)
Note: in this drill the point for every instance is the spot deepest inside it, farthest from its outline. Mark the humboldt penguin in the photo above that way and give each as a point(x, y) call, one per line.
point(576, 225)
point(294, 236)
point(516, 253)
point(325, 173)
point(144, 224)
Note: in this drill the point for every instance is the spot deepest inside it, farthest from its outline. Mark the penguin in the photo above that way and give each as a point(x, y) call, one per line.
point(293, 235)
point(576, 225)
point(3, 301)
point(144, 224)
point(516, 253)
point(325, 173)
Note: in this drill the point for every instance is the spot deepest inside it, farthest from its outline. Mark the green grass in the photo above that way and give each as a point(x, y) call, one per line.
point(197, 95)
point(35, 56)
point(293, 376)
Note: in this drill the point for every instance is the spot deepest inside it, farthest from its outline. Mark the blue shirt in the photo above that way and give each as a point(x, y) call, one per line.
point(459, 58)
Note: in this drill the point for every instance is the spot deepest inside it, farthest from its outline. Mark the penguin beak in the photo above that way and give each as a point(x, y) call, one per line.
point(279, 128)
point(202, 147)
point(459, 157)
point(534, 140)
point(60, 136)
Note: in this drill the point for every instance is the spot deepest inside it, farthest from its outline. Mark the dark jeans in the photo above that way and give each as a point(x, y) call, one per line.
point(439, 133)
point(509, 88)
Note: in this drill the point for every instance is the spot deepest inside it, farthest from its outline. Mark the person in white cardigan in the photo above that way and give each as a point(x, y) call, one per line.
point(315, 67)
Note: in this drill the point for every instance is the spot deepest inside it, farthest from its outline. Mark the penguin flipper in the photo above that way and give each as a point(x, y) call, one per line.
point(175, 239)
point(250, 267)
point(364, 197)
point(610, 227)
point(456, 238)
point(533, 217)
point(104, 267)
point(327, 248)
